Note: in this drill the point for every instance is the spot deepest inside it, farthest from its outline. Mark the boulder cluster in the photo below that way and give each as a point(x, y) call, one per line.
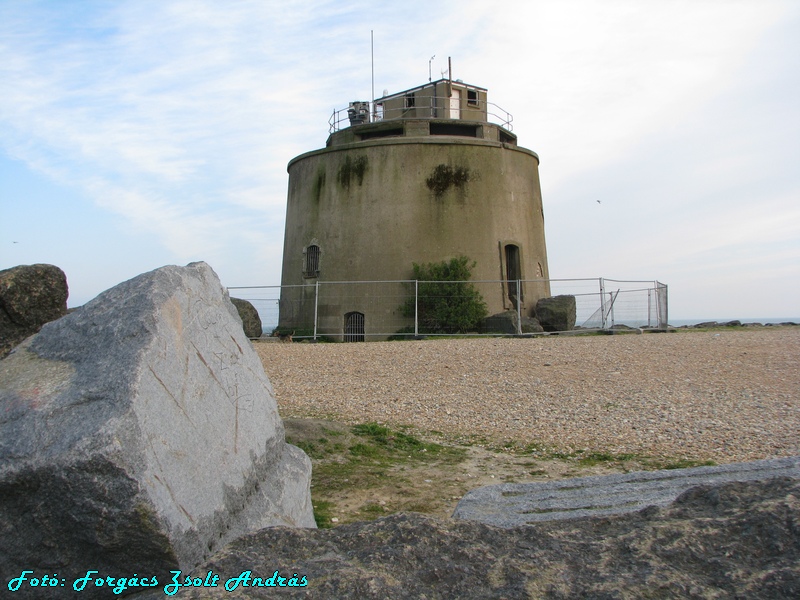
point(551, 314)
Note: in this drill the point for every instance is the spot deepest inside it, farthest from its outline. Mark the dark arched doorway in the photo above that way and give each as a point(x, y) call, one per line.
point(354, 327)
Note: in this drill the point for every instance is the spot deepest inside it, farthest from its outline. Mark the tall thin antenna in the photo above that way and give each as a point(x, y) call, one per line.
point(372, 58)
point(430, 77)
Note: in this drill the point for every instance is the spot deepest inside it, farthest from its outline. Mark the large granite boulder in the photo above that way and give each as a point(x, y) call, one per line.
point(556, 313)
point(735, 540)
point(30, 296)
point(251, 322)
point(139, 434)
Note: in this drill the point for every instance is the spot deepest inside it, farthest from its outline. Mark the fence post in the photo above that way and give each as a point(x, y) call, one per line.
point(519, 307)
point(662, 304)
point(613, 299)
point(316, 305)
point(416, 308)
point(602, 304)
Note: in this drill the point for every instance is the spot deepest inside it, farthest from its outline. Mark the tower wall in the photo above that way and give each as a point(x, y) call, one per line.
point(374, 207)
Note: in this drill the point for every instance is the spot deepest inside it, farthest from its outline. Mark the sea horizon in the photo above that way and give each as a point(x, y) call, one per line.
point(762, 320)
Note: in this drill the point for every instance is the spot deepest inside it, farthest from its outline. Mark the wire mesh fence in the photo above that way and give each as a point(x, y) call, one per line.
point(266, 300)
point(361, 310)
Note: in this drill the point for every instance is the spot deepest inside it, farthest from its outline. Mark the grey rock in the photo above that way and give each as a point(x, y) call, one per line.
point(556, 313)
point(506, 322)
point(251, 322)
point(736, 540)
point(513, 504)
point(531, 325)
point(139, 434)
point(30, 296)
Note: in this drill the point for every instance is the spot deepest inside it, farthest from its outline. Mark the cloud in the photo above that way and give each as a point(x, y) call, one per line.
point(591, 80)
point(164, 113)
point(180, 117)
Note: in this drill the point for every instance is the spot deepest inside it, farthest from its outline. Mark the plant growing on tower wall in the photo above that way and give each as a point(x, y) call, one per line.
point(446, 301)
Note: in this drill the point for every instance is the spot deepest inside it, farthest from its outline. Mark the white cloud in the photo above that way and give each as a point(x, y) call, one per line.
point(587, 81)
point(181, 116)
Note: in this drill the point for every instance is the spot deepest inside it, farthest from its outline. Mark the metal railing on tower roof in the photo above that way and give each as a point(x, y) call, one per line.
point(425, 107)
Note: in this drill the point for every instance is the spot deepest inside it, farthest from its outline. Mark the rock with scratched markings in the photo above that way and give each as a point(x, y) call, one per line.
point(140, 433)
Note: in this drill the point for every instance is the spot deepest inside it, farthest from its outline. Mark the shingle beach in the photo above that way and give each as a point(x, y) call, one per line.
point(724, 395)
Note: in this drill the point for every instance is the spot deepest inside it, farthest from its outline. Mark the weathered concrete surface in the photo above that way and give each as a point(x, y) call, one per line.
point(251, 322)
point(412, 198)
point(737, 540)
point(140, 432)
point(513, 504)
point(30, 296)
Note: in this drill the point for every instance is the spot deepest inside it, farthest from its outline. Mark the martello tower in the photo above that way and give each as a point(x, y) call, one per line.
point(422, 176)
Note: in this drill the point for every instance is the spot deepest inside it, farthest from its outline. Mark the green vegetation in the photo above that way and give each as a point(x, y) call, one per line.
point(323, 512)
point(369, 470)
point(446, 301)
point(586, 458)
point(351, 170)
point(367, 457)
point(684, 463)
point(444, 177)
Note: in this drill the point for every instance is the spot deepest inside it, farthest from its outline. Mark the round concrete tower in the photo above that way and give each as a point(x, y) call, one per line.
point(421, 176)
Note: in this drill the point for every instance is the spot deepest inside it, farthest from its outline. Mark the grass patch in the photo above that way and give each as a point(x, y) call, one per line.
point(394, 441)
point(372, 511)
point(596, 458)
point(684, 463)
point(366, 458)
point(323, 513)
point(310, 448)
point(369, 470)
point(589, 458)
point(365, 450)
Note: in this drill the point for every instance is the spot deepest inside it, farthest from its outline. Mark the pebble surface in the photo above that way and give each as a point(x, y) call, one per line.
point(722, 395)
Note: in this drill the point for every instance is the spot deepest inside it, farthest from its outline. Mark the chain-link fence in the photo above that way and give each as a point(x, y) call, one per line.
point(266, 300)
point(605, 303)
point(361, 310)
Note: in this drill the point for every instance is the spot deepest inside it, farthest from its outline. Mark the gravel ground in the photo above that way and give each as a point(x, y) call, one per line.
point(723, 395)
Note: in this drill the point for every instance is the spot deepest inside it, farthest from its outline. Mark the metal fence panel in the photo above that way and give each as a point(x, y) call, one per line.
point(362, 310)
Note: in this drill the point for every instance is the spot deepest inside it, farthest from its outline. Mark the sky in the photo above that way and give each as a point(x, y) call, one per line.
point(139, 133)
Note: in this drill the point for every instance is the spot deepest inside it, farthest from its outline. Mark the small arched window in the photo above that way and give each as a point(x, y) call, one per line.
point(311, 267)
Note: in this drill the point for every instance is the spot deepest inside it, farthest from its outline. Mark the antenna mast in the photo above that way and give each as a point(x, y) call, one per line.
point(372, 58)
